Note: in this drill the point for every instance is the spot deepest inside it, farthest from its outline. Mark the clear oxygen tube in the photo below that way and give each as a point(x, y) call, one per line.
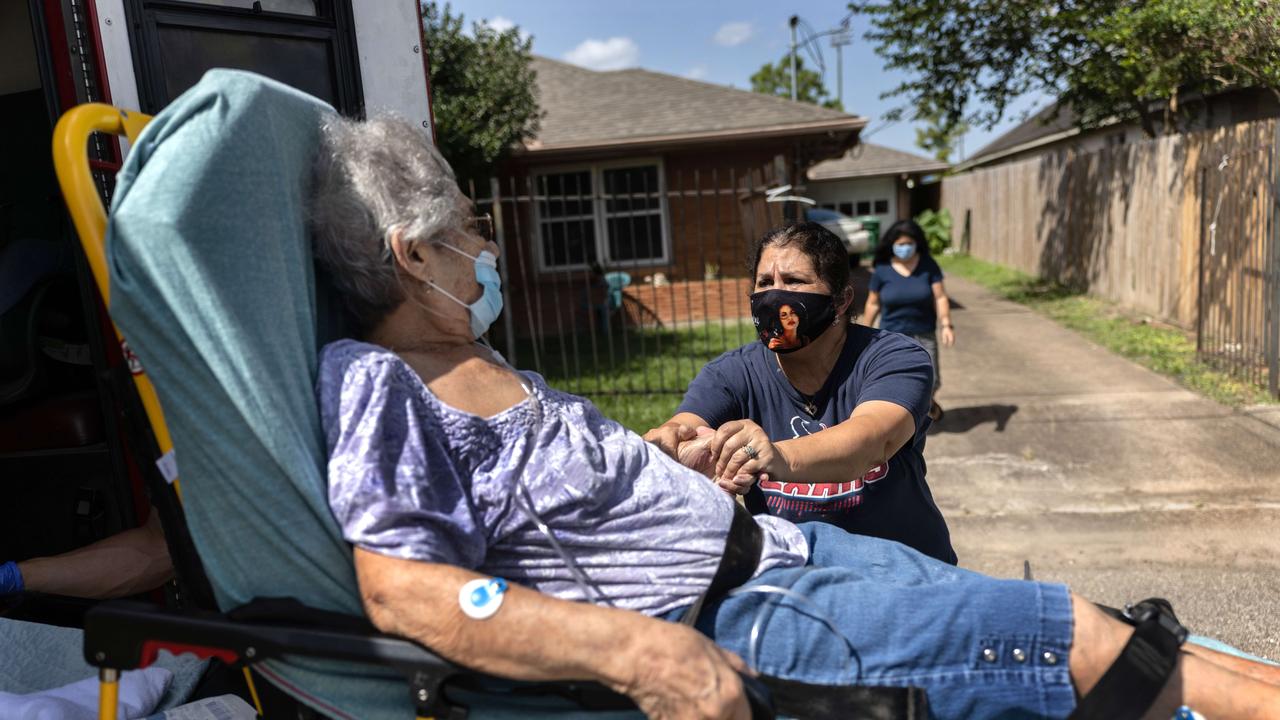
point(524, 499)
point(590, 589)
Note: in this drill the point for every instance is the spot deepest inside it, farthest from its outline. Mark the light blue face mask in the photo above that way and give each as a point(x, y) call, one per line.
point(485, 310)
point(904, 252)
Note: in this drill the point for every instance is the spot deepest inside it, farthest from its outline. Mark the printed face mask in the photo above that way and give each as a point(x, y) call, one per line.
point(485, 310)
point(787, 321)
point(904, 252)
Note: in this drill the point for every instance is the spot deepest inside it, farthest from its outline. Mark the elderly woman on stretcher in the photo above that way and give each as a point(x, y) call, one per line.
point(514, 529)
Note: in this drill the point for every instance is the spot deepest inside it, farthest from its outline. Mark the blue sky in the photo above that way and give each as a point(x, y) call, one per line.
point(719, 42)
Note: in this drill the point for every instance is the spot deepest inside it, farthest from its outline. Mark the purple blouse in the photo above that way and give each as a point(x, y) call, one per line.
point(411, 477)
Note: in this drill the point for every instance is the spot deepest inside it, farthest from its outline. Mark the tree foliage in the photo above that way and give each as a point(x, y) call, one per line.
point(937, 137)
point(482, 90)
point(1106, 59)
point(775, 79)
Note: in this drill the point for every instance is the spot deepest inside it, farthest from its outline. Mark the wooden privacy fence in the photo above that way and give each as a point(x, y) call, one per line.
point(1181, 227)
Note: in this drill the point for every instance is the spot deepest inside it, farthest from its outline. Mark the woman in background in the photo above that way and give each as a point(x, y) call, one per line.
point(906, 285)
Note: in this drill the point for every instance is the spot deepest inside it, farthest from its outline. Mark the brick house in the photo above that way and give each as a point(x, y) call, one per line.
point(655, 176)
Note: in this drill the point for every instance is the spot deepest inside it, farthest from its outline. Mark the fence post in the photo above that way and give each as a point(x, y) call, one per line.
point(1271, 276)
point(508, 327)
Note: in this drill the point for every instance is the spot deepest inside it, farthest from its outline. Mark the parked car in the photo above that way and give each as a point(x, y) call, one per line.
point(857, 239)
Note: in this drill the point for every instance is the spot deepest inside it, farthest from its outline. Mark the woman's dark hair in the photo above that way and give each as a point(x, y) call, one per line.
point(909, 228)
point(830, 259)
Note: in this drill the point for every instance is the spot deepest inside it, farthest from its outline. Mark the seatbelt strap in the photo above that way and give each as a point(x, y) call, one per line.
point(1132, 683)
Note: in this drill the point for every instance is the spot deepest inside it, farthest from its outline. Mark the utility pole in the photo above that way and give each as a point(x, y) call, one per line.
point(840, 38)
point(795, 20)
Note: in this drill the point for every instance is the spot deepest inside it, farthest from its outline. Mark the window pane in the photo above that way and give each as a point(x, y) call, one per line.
point(186, 52)
point(864, 207)
point(569, 242)
point(564, 194)
point(631, 188)
point(635, 238)
point(846, 208)
point(882, 207)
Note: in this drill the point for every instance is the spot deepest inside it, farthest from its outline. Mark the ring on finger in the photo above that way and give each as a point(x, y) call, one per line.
point(750, 452)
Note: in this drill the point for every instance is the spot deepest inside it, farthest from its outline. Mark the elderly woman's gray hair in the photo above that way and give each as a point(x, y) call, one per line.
point(372, 178)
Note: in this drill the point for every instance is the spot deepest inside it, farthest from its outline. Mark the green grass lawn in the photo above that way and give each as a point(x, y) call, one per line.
point(636, 377)
point(1164, 349)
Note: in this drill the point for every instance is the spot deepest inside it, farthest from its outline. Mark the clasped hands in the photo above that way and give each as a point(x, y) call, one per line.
point(736, 455)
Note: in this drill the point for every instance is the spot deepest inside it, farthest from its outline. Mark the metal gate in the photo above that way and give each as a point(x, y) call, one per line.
point(627, 279)
point(1238, 325)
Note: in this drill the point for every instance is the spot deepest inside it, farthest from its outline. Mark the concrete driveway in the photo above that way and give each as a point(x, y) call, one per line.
point(1104, 475)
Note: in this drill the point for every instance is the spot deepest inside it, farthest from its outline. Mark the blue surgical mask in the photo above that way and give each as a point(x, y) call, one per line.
point(904, 252)
point(485, 310)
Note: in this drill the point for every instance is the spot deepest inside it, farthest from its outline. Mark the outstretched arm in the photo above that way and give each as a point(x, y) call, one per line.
point(875, 431)
point(668, 669)
point(124, 564)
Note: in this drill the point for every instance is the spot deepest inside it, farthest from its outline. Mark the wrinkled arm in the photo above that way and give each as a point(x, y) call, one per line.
point(124, 564)
point(660, 665)
point(679, 429)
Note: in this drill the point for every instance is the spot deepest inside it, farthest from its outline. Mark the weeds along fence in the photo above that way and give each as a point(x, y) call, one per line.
point(624, 279)
point(1182, 227)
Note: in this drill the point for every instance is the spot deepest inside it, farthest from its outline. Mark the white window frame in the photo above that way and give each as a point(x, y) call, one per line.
point(600, 216)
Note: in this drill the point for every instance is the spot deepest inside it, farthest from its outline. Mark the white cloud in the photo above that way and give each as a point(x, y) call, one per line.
point(697, 72)
point(615, 53)
point(499, 23)
point(734, 33)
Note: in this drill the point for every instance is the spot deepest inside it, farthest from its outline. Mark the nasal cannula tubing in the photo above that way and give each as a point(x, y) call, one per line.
point(524, 499)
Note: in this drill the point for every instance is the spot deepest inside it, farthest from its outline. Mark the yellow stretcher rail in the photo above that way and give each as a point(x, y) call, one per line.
point(71, 161)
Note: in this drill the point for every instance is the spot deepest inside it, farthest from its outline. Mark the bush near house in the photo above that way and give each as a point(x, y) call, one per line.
point(937, 229)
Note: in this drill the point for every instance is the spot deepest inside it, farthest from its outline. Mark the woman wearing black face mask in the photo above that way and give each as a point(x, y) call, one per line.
point(821, 419)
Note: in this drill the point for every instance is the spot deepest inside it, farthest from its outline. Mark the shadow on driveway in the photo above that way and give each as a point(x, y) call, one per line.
point(964, 419)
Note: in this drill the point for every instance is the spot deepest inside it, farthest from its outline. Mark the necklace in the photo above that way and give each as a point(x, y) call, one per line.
point(809, 405)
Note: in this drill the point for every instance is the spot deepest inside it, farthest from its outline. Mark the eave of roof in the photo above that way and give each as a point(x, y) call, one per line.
point(878, 172)
point(821, 127)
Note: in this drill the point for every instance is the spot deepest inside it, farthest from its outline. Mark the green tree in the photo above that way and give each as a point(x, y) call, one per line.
point(937, 137)
point(1106, 59)
point(482, 90)
point(775, 80)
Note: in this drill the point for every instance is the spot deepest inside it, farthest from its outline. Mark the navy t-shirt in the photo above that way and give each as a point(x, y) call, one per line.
point(890, 501)
point(906, 303)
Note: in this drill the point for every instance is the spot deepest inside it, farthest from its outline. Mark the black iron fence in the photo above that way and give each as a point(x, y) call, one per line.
point(627, 278)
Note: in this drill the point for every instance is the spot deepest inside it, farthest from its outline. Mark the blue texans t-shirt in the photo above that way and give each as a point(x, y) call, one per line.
point(891, 500)
point(906, 302)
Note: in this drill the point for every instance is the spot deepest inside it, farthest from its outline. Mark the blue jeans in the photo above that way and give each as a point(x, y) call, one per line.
point(980, 647)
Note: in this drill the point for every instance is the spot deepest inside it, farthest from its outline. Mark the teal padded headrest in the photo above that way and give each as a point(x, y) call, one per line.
point(213, 287)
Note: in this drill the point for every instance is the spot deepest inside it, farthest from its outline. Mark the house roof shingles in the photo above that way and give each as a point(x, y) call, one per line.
point(868, 160)
point(1040, 125)
point(587, 108)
